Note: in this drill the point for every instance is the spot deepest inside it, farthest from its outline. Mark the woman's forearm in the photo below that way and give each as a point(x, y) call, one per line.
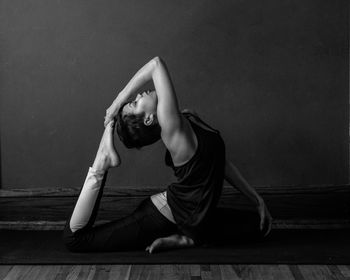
point(140, 78)
point(234, 177)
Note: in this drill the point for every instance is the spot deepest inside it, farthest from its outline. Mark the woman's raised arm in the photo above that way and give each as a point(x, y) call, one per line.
point(168, 112)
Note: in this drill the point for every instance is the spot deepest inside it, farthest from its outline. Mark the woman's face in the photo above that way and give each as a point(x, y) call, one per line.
point(145, 102)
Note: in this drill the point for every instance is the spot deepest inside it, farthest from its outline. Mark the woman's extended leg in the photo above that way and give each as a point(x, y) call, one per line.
point(134, 231)
point(106, 158)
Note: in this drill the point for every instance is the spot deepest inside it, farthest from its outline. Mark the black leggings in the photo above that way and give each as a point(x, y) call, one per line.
point(139, 229)
point(133, 232)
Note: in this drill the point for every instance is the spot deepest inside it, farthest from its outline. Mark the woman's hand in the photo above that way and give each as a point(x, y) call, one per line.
point(265, 216)
point(111, 113)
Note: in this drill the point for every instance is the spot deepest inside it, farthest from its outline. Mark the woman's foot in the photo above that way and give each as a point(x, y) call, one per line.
point(107, 156)
point(170, 242)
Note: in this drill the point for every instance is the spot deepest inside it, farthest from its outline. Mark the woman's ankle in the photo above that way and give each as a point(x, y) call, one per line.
point(101, 164)
point(97, 171)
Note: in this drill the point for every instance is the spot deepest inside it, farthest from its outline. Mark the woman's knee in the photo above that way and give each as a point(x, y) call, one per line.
point(68, 237)
point(71, 240)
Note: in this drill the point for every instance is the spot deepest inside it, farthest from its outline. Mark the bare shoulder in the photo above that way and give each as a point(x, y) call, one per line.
point(183, 143)
point(193, 112)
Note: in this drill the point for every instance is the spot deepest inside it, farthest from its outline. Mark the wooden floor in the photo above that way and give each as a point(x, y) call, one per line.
point(193, 272)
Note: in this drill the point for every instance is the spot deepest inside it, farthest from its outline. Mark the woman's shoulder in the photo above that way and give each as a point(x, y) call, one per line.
point(194, 118)
point(183, 144)
point(189, 112)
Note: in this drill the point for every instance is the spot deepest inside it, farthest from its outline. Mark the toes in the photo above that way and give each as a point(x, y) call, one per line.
point(155, 246)
point(111, 124)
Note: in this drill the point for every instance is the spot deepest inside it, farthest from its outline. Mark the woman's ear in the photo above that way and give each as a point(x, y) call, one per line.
point(148, 120)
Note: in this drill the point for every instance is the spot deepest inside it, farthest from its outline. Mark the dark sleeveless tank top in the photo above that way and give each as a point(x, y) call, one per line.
point(199, 182)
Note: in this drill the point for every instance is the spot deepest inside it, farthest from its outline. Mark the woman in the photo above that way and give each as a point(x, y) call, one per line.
point(185, 214)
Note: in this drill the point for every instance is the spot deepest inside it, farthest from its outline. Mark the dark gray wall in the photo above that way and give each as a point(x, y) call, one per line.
point(271, 75)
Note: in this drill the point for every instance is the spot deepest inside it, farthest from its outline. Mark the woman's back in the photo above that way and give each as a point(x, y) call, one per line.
point(199, 180)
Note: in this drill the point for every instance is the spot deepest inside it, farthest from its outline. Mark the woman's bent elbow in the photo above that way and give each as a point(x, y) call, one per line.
point(158, 61)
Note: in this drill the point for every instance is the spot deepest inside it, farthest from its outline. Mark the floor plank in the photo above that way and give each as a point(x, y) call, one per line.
point(317, 272)
point(206, 275)
point(185, 270)
point(102, 272)
point(284, 272)
point(296, 272)
point(137, 271)
point(47, 272)
point(121, 272)
point(168, 271)
point(345, 270)
point(63, 271)
point(4, 270)
point(152, 272)
point(87, 272)
point(73, 274)
point(34, 272)
point(175, 271)
point(17, 271)
point(247, 272)
point(226, 272)
point(195, 270)
point(280, 272)
point(336, 271)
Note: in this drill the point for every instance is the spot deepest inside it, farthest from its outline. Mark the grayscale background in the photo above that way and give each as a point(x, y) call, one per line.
point(272, 76)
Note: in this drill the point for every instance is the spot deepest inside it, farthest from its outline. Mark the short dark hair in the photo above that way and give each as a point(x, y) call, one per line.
point(133, 132)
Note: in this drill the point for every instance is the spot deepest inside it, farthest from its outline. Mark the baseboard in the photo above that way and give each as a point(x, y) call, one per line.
point(316, 207)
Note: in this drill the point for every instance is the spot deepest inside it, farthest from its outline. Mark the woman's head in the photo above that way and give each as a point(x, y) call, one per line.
point(137, 123)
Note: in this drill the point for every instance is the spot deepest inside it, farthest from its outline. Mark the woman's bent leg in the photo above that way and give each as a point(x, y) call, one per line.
point(134, 232)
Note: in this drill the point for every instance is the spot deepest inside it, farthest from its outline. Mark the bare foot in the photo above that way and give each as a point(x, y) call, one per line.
point(172, 241)
point(107, 156)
